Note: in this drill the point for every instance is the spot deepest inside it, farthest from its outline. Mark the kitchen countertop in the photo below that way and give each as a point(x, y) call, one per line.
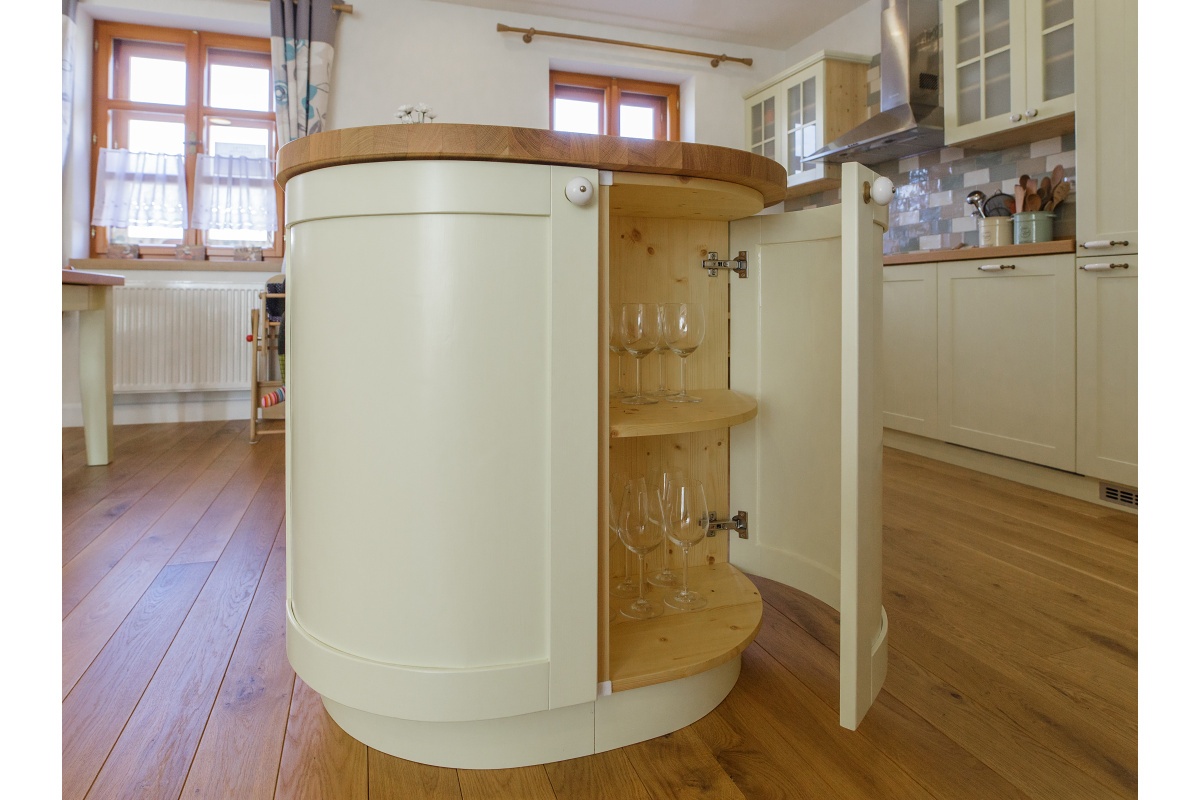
point(967, 253)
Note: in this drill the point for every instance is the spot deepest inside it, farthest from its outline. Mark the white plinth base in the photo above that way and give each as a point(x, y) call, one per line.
point(610, 722)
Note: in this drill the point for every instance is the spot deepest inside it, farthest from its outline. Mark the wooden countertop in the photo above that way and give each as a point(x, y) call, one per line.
point(968, 253)
point(531, 146)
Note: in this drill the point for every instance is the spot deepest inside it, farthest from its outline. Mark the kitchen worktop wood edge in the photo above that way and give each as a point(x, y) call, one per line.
point(531, 146)
point(967, 253)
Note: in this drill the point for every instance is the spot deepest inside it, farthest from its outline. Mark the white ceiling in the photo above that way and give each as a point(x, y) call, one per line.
point(775, 24)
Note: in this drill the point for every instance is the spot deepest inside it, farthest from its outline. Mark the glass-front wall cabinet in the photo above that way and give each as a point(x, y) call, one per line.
point(1007, 63)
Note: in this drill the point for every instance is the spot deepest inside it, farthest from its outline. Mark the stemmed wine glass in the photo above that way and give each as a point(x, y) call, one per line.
point(661, 350)
point(614, 344)
point(639, 524)
point(621, 587)
point(687, 524)
point(666, 577)
point(683, 328)
point(639, 335)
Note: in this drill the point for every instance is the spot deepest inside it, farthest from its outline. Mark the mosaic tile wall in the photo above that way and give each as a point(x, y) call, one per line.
point(930, 210)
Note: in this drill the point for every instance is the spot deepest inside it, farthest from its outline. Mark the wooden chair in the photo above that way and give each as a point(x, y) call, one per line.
point(265, 366)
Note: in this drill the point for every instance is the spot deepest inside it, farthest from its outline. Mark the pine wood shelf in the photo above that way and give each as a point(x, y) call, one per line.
point(721, 408)
point(679, 644)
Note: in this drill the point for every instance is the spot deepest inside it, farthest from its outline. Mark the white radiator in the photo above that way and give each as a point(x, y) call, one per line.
point(180, 336)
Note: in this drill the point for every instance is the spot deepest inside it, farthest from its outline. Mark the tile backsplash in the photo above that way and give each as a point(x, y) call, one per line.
point(930, 211)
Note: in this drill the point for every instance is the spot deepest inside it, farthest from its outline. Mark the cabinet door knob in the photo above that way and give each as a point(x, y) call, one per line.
point(579, 191)
point(1014, 117)
point(1031, 112)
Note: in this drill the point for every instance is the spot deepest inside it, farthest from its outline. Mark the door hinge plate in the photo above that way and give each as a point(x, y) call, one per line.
point(712, 264)
point(739, 522)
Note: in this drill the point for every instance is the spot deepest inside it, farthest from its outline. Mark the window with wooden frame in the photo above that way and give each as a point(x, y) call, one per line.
point(166, 90)
point(613, 106)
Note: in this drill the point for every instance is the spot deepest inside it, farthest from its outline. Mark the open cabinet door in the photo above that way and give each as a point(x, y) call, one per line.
point(805, 339)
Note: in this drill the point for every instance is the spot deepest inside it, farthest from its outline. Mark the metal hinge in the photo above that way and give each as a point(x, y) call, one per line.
point(94, 139)
point(712, 264)
point(740, 523)
point(95, 45)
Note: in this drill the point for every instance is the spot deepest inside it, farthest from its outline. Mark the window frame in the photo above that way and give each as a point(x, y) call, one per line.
point(109, 82)
point(663, 97)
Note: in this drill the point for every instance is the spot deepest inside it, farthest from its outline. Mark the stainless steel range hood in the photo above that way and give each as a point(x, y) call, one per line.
point(910, 118)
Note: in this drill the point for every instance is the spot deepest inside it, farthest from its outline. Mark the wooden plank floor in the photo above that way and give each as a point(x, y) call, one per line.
point(1012, 667)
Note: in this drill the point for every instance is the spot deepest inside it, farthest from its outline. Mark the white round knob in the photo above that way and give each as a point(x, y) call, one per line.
point(1014, 117)
point(882, 191)
point(1031, 112)
point(580, 191)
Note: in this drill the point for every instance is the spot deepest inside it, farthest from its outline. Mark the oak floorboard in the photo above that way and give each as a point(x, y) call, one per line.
point(121, 506)
point(680, 766)
point(760, 764)
point(96, 710)
point(210, 535)
point(599, 777)
point(133, 447)
point(152, 757)
point(239, 753)
point(527, 783)
point(89, 510)
point(389, 776)
point(189, 491)
point(319, 760)
point(75, 448)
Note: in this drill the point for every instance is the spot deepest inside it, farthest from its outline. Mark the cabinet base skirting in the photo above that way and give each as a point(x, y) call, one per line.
point(1070, 484)
point(557, 734)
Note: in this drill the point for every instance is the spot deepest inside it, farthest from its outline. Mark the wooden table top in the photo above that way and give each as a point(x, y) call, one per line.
point(531, 146)
point(77, 277)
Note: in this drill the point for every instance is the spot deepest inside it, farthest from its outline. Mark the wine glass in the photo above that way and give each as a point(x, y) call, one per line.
point(666, 577)
point(683, 328)
point(621, 587)
point(614, 344)
point(661, 351)
point(639, 524)
point(687, 524)
point(639, 335)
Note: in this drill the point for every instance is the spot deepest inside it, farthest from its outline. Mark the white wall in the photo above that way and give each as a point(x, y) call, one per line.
point(856, 32)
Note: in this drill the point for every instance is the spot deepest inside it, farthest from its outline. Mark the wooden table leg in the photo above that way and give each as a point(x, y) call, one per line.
point(96, 374)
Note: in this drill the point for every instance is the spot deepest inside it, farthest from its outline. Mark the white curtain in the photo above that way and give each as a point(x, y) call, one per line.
point(140, 189)
point(234, 193)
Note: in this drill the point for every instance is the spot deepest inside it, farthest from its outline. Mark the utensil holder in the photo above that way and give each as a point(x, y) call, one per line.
point(1032, 226)
point(995, 231)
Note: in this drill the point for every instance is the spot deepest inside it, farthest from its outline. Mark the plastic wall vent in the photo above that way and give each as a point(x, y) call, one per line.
point(1121, 495)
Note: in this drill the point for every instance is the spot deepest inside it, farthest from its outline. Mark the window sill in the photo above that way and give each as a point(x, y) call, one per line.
point(272, 265)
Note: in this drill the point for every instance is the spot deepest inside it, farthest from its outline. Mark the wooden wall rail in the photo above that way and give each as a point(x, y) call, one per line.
point(714, 58)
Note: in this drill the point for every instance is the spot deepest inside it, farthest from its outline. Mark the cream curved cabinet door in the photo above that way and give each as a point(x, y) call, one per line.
point(1006, 64)
point(910, 356)
point(1107, 297)
point(1006, 357)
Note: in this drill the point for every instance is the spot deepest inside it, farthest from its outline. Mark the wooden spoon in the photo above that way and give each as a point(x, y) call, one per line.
point(1019, 196)
point(1044, 190)
point(1056, 177)
point(1061, 191)
point(1032, 201)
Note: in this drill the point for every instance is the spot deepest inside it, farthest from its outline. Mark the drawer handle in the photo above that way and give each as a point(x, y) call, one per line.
point(1103, 267)
point(996, 267)
point(1104, 243)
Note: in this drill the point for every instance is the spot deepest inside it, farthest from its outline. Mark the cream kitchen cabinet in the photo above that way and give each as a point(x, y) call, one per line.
point(800, 110)
point(910, 354)
point(452, 440)
point(1106, 135)
point(1006, 357)
point(1106, 298)
point(1007, 64)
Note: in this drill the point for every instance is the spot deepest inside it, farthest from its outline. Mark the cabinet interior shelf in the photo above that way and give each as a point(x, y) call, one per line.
point(680, 644)
point(719, 408)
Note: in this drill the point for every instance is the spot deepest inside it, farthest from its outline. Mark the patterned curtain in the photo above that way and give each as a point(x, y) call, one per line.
point(302, 62)
point(68, 72)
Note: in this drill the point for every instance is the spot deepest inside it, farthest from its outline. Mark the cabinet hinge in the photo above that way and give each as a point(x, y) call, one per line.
point(740, 522)
point(94, 139)
point(712, 264)
point(95, 45)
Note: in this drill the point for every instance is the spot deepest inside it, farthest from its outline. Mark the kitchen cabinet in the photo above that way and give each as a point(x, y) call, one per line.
point(800, 110)
point(450, 553)
point(1106, 136)
point(1006, 357)
point(1107, 339)
point(910, 354)
point(1008, 65)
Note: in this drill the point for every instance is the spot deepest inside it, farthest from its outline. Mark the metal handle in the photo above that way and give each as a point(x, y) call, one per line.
point(1103, 267)
point(996, 267)
point(1104, 243)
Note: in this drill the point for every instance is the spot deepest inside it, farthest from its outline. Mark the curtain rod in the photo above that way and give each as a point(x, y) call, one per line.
point(345, 8)
point(529, 33)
